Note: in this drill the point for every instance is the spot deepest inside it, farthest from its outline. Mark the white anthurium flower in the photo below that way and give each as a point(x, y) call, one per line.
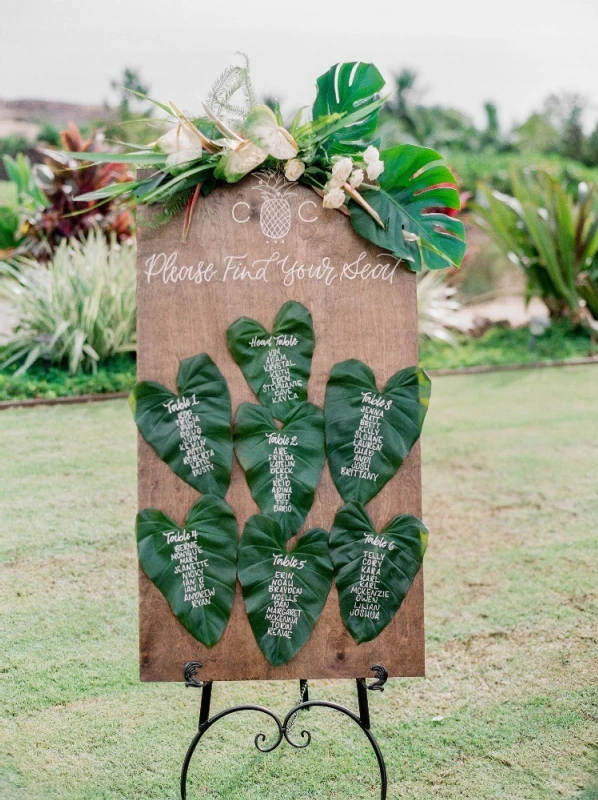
point(263, 129)
point(334, 198)
point(356, 179)
point(236, 163)
point(371, 155)
point(229, 144)
point(374, 169)
point(294, 169)
point(342, 169)
point(180, 144)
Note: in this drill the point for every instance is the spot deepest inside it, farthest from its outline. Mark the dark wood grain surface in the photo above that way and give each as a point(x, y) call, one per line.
point(360, 312)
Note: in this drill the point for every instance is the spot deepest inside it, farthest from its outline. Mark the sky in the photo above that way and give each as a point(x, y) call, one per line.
point(513, 52)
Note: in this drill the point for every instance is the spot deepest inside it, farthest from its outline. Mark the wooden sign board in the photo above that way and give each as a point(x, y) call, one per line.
point(246, 255)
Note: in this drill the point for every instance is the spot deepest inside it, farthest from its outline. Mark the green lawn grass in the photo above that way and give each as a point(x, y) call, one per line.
point(509, 709)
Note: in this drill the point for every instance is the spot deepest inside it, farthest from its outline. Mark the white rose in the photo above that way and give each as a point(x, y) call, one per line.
point(342, 169)
point(181, 145)
point(334, 199)
point(294, 169)
point(371, 155)
point(356, 179)
point(333, 183)
point(374, 169)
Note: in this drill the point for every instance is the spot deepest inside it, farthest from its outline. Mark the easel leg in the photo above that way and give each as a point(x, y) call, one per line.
point(303, 691)
point(285, 726)
point(363, 704)
point(204, 716)
point(206, 700)
point(364, 717)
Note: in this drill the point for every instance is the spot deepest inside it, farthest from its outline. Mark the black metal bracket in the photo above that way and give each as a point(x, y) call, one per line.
point(189, 674)
point(285, 726)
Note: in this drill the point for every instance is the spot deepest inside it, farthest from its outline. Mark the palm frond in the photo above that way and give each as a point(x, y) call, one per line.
point(220, 88)
point(247, 85)
point(230, 82)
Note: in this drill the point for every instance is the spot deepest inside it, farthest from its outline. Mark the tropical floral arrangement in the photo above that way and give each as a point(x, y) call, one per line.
point(399, 198)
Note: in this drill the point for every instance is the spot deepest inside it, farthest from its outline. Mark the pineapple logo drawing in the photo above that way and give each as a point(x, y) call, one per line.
point(275, 212)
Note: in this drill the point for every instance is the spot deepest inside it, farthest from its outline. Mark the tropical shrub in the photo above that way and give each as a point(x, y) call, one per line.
point(29, 199)
point(501, 345)
point(552, 236)
point(42, 380)
point(13, 144)
point(45, 212)
point(495, 169)
point(30, 196)
point(79, 311)
point(62, 179)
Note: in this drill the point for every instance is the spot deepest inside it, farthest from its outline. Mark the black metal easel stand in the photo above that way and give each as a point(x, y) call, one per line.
point(286, 725)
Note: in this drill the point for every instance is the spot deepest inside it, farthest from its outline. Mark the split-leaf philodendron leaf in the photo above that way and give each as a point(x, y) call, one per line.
point(191, 430)
point(373, 571)
point(369, 433)
point(284, 592)
point(282, 465)
point(276, 365)
point(414, 189)
point(345, 89)
point(195, 566)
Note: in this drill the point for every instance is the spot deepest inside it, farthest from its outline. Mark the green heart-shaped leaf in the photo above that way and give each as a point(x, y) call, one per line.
point(284, 593)
point(194, 567)
point(190, 431)
point(370, 433)
point(373, 571)
point(282, 465)
point(276, 365)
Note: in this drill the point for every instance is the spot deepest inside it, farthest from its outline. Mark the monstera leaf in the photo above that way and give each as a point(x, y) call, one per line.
point(373, 571)
point(276, 365)
point(195, 566)
point(414, 188)
point(190, 430)
point(369, 433)
point(282, 465)
point(284, 593)
point(349, 89)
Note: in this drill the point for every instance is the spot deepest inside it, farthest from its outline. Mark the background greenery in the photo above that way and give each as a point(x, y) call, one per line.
point(529, 204)
point(510, 705)
point(498, 346)
point(116, 375)
point(503, 345)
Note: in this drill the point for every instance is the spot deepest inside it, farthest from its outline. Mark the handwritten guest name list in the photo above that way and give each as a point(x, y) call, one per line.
point(368, 593)
point(189, 564)
point(282, 463)
point(193, 444)
point(280, 385)
point(283, 613)
point(367, 439)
